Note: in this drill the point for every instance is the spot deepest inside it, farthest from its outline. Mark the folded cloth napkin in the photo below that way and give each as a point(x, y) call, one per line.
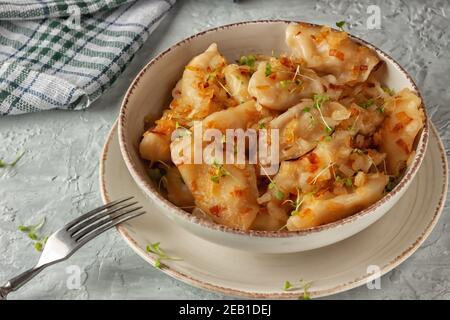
point(63, 54)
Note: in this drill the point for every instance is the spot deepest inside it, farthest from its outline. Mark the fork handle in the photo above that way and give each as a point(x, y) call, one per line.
point(16, 282)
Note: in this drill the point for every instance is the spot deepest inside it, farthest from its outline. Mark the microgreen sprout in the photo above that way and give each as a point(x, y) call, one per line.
point(273, 186)
point(388, 90)
point(348, 182)
point(340, 25)
point(32, 233)
point(219, 171)
point(287, 285)
point(4, 164)
point(302, 285)
point(367, 104)
point(297, 203)
point(249, 60)
point(314, 180)
point(319, 99)
point(160, 254)
point(268, 70)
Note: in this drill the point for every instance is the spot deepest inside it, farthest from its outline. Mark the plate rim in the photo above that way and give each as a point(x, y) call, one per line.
point(278, 295)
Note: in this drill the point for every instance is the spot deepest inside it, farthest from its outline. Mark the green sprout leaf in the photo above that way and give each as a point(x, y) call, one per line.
point(279, 195)
point(160, 254)
point(268, 70)
point(320, 99)
point(388, 90)
point(219, 172)
point(287, 285)
point(367, 103)
point(302, 285)
point(32, 233)
point(4, 164)
point(249, 60)
point(340, 25)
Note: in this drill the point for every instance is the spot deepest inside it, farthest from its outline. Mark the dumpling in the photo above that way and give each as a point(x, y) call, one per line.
point(396, 137)
point(322, 209)
point(227, 193)
point(196, 88)
point(303, 126)
point(237, 80)
point(331, 52)
point(278, 85)
point(315, 169)
point(239, 117)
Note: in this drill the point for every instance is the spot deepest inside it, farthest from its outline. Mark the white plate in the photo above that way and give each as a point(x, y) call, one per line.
point(332, 269)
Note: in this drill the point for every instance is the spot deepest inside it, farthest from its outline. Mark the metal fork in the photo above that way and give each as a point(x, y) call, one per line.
point(64, 242)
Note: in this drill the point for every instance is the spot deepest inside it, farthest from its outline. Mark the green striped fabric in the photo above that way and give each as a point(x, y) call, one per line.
point(63, 54)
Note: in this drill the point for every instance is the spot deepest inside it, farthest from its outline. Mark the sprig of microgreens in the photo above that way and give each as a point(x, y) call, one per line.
point(295, 204)
point(285, 83)
point(219, 171)
point(368, 103)
point(268, 70)
point(348, 182)
point(340, 25)
point(302, 285)
point(249, 61)
point(32, 233)
point(352, 127)
point(388, 90)
point(160, 254)
point(273, 186)
point(319, 99)
point(4, 164)
point(330, 164)
point(224, 88)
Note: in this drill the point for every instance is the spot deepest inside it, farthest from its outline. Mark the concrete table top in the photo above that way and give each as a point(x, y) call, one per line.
point(58, 175)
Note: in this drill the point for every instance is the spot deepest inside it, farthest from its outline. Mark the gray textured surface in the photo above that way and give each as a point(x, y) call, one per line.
point(58, 176)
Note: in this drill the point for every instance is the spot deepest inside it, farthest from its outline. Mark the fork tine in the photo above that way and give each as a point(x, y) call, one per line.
point(95, 211)
point(77, 227)
point(95, 232)
point(102, 222)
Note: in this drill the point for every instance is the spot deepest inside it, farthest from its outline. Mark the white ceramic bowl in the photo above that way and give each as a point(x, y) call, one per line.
point(150, 92)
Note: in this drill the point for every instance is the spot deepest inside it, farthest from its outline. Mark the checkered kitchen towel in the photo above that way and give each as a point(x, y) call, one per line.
point(63, 54)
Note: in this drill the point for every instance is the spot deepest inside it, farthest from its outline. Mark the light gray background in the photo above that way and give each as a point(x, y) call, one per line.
point(58, 176)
